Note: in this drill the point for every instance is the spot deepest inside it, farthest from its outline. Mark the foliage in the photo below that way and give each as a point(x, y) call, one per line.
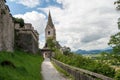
point(50, 43)
point(117, 77)
point(118, 23)
point(27, 66)
point(118, 4)
point(85, 63)
point(115, 39)
point(109, 58)
point(67, 52)
point(63, 71)
point(115, 42)
point(19, 20)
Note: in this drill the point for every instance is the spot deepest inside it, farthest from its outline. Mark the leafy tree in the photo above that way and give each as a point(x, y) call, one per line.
point(118, 8)
point(115, 39)
point(19, 20)
point(119, 23)
point(86, 63)
point(117, 76)
point(50, 43)
point(115, 42)
point(118, 4)
point(66, 51)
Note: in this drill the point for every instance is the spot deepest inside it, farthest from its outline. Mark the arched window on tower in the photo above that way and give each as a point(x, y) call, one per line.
point(48, 32)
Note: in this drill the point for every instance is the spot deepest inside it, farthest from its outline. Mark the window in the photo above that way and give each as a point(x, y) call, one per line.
point(48, 32)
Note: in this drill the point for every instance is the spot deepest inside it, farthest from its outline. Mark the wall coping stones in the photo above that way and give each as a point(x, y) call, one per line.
point(82, 71)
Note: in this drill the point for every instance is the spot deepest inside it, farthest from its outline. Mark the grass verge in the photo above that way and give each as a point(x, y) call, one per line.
point(26, 66)
point(63, 72)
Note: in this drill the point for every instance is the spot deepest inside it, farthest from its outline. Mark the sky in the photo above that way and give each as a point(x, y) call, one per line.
point(80, 24)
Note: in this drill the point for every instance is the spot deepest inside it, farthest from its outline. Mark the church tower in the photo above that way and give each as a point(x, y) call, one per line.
point(50, 31)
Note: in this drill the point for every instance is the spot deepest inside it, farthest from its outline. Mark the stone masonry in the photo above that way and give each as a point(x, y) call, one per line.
point(6, 28)
point(12, 36)
point(26, 38)
point(50, 31)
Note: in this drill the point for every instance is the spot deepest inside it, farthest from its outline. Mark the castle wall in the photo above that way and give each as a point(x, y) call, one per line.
point(6, 28)
point(27, 38)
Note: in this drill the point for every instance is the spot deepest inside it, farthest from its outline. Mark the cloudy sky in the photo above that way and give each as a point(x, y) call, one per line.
point(80, 24)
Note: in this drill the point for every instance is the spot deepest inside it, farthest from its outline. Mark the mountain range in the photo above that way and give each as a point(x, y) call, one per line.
point(80, 51)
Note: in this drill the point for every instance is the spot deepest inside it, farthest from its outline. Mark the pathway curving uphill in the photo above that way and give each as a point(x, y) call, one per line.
point(49, 72)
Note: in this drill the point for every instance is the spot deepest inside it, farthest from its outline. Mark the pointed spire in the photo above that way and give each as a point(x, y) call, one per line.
point(50, 23)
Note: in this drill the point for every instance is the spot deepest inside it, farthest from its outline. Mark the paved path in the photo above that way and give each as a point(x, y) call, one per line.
point(49, 72)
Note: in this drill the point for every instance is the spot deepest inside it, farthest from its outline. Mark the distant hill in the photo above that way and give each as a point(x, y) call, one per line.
point(80, 51)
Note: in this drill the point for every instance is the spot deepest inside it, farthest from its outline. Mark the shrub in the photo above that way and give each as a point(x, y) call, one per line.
point(85, 63)
point(117, 75)
point(19, 20)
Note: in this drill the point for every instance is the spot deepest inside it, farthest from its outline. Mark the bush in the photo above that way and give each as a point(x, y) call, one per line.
point(117, 75)
point(85, 63)
point(19, 20)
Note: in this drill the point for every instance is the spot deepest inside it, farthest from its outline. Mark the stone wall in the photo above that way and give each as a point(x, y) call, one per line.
point(80, 74)
point(6, 28)
point(26, 38)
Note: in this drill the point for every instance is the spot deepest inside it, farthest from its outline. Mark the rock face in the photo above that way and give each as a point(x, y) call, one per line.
point(26, 38)
point(6, 28)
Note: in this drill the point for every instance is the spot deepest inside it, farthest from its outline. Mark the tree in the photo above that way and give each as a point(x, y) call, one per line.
point(117, 76)
point(50, 43)
point(118, 4)
point(115, 39)
point(115, 42)
point(19, 20)
point(119, 23)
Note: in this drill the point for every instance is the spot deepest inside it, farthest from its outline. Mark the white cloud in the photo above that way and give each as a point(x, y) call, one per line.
point(28, 3)
point(80, 24)
point(37, 20)
point(84, 24)
point(12, 0)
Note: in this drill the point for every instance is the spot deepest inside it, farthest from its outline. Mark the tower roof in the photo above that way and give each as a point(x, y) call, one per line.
point(50, 23)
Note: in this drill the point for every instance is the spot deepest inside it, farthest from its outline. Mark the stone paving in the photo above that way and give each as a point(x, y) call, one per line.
point(49, 72)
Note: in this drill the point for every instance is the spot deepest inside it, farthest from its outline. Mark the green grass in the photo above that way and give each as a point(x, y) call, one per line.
point(85, 63)
point(63, 72)
point(27, 66)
